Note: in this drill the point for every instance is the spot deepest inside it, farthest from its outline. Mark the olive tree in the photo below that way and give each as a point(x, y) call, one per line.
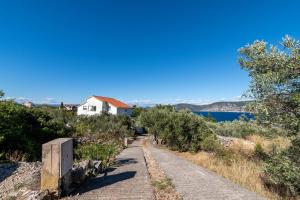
point(275, 89)
point(275, 81)
point(179, 130)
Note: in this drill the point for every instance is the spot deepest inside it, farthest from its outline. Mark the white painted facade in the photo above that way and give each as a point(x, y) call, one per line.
point(94, 106)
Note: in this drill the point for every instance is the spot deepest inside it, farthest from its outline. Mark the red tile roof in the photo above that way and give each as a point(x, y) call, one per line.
point(112, 101)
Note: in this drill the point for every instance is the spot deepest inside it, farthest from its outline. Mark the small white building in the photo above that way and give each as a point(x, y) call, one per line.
point(97, 104)
point(28, 104)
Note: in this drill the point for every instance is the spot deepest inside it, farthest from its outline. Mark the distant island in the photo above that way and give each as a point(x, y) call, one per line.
point(230, 106)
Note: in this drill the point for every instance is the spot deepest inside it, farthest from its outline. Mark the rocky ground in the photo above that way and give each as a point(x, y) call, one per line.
point(19, 180)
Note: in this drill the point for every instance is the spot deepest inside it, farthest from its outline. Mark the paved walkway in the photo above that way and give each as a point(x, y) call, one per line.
point(194, 182)
point(129, 179)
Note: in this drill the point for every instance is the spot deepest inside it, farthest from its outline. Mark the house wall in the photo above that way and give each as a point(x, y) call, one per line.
point(95, 102)
point(113, 110)
point(90, 102)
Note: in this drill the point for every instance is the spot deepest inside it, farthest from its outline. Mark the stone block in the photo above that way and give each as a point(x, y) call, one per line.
point(57, 161)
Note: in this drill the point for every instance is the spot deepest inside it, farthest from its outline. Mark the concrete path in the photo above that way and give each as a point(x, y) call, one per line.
point(128, 179)
point(194, 182)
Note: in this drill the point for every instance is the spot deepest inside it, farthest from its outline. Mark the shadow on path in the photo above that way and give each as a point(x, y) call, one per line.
point(122, 162)
point(106, 180)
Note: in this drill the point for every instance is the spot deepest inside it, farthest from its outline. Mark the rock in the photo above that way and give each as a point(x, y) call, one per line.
point(43, 195)
point(12, 195)
point(97, 165)
point(19, 180)
point(225, 141)
point(82, 170)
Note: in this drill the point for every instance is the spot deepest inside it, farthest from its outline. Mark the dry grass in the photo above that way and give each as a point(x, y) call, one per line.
point(240, 170)
point(163, 187)
point(246, 147)
point(268, 144)
point(242, 147)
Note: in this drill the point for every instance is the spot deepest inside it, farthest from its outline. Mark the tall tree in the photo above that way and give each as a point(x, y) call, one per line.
point(275, 81)
point(61, 105)
point(1, 94)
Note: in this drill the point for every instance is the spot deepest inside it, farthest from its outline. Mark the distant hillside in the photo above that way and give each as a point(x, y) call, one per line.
point(238, 106)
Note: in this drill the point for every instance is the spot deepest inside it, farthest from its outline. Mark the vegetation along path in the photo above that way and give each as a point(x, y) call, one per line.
point(194, 182)
point(127, 179)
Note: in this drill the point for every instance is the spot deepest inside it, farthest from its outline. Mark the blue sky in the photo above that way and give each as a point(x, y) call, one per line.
point(165, 51)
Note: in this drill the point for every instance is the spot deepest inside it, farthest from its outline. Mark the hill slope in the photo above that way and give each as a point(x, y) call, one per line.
point(238, 106)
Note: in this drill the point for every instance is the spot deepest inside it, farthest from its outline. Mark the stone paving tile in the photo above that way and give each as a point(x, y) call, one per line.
point(129, 179)
point(194, 182)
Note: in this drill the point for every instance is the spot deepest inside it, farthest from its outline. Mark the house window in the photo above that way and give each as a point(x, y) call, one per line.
point(84, 108)
point(93, 108)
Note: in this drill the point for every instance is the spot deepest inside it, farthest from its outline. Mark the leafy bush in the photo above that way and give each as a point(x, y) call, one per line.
point(259, 152)
point(274, 81)
point(241, 129)
point(294, 151)
point(283, 174)
point(282, 170)
point(24, 130)
point(180, 130)
point(103, 152)
point(210, 143)
point(104, 126)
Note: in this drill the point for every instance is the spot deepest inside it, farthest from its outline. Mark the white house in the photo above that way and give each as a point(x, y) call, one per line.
point(28, 104)
point(97, 104)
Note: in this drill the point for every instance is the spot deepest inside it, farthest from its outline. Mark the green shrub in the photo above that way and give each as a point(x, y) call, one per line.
point(210, 144)
point(113, 126)
point(242, 128)
point(259, 152)
point(180, 130)
point(24, 130)
point(282, 174)
point(102, 152)
point(294, 151)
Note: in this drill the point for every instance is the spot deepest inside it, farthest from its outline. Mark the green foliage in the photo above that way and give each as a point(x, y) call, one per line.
point(180, 130)
point(113, 126)
point(24, 130)
point(1, 94)
point(136, 111)
point(210, 143)
point(241, 129)
point(294, 151)
point(102, 152)
point(275, 73)
point(259, 152)
point(68, 117)
point(61, 107)
point(282, 170)
point(283, 174)
point(275, 88)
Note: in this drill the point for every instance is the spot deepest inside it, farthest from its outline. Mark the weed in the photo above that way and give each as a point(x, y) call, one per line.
point(163, 184)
